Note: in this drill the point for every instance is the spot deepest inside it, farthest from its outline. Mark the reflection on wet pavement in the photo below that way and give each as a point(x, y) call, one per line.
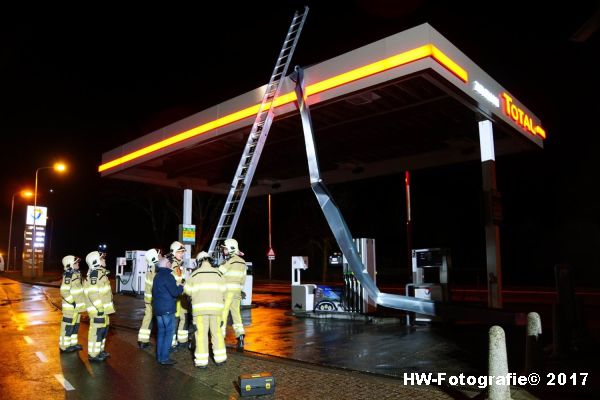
point(271, 329)
point(389, 349)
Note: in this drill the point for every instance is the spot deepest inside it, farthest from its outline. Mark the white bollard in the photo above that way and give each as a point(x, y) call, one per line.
point(532, 347)
point(534, 324)
point(497, 363)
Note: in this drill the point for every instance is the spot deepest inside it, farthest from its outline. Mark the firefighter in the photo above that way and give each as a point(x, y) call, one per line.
point(206, 287)
point(180, 336)
point(99, 305)
point(73, 303)
point(234, 271)
point(152, 257)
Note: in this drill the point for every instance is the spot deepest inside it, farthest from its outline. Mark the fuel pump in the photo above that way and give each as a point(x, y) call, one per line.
point(430, 276)
point(354, 297)
point(303, 296)
point(131, 272)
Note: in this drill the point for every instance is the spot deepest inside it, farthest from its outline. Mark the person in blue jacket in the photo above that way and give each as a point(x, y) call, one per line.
point(165, 291)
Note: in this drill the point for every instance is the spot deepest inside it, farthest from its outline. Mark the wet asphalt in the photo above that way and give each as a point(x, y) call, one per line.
point(32, 366)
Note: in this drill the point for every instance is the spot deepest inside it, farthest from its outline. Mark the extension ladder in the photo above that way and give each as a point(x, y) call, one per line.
point(256, 139)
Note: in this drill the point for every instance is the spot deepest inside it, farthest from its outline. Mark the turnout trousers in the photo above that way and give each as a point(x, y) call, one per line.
point(233, 300)
point(97, 334)
point(146, 328)
point(69, 328)
point(180, 331)
point(204, 325)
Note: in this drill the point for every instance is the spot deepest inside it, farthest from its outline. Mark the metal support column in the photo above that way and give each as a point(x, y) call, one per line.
point(336, 221)
point(187, 219)
point(492, 214)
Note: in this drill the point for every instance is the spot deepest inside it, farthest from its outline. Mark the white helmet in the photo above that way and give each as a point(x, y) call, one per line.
point(202, 256)
point(176, 246)
point(95, 260)
point(152, 257)
point(69, 261)
point(231, 245)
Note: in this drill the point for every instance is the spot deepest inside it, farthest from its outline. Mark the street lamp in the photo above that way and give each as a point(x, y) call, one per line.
point(58, 167)
point(24, 194)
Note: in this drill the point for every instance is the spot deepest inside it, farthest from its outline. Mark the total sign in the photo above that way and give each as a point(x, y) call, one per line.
point(510, 109)
point(520, 117)
point(39, 215)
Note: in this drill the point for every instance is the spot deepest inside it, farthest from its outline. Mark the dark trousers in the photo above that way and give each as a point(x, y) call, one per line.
point(165, 324)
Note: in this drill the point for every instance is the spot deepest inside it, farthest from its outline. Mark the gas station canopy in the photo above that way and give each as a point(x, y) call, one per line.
point(409, 101)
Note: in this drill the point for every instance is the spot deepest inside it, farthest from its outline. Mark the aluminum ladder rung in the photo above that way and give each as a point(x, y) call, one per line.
point(257, 137)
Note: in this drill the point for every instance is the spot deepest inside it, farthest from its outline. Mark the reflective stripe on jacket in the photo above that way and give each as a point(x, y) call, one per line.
point(98, 292)
point(71, 292)
point(234, 271)
point(206, 287)
point(148, 285)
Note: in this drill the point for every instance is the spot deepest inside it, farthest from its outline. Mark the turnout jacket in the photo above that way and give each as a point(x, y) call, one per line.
point(177, 270)
point(206, 287)
point(148, 285)
point(71, 292)
point(234, 271)
point(98, 292)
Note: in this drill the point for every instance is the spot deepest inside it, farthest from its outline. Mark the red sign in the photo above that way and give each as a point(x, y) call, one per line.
point(271, 254)
point(520, 117)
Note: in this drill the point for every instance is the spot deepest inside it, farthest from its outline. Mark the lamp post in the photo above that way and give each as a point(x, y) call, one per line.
point(58, 167)
point(24, 194)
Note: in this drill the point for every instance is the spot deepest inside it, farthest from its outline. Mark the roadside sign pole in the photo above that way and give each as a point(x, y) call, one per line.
point(270, 242)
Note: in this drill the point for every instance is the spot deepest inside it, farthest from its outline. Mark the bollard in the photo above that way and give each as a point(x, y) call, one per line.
point(532, 345)
point(497, 363)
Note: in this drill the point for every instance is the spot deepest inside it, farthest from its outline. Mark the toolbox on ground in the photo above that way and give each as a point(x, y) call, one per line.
point(256, 384)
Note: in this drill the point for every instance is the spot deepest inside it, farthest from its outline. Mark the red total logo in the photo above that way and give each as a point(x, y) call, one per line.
point(520, 117)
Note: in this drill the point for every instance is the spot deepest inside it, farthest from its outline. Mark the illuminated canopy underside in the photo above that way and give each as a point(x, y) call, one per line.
point(405, 102)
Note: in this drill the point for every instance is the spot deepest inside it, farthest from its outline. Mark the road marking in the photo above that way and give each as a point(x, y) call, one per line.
point(28, 339)
point(66, 384)
point(41, 356)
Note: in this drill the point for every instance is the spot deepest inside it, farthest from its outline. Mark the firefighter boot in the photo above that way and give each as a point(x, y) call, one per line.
point(240, 343)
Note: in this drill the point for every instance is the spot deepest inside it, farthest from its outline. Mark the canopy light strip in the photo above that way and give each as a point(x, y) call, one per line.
point(397, 60)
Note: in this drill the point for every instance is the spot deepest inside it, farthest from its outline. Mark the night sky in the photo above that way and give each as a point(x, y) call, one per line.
point(75, 86)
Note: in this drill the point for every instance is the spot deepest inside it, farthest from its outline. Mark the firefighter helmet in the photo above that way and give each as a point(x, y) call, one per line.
point(152, 257)
point(202, 256)
point(231, 245)
point(69, 261)
point(177, 246)
point(95, 260)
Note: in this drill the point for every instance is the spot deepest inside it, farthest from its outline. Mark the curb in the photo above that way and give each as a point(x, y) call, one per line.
point(367, 319)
